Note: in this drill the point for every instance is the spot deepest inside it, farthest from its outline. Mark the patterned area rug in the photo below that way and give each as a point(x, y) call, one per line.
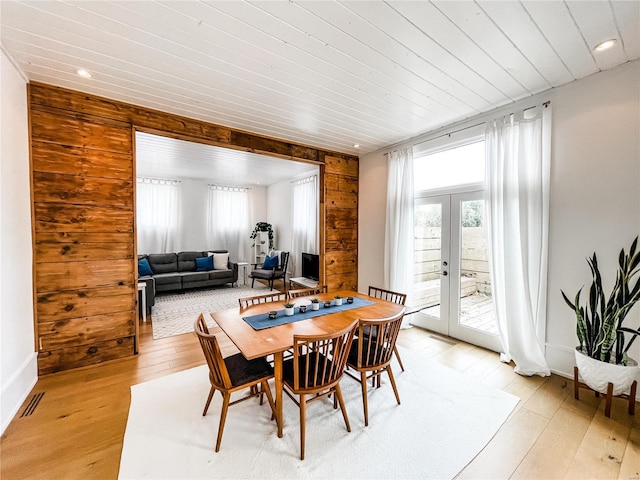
point(174, 314)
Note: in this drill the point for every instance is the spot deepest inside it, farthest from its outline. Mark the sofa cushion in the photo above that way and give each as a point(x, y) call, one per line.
point(163, 262)
point(188, 277)
point(187, 261)
point(221, 261)
point(221, 275)
point(204, 264)
point(144, 269)
point(167, 278)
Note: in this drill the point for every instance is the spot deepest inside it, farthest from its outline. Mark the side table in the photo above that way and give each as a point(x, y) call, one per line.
point(244, 266)
point(142, 291)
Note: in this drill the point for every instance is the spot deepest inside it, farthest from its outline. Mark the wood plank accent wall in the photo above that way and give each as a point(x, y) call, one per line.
point(83, 190)
point(341, 223)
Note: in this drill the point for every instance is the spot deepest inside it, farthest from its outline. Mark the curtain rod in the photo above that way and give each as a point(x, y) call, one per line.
point(448, 134)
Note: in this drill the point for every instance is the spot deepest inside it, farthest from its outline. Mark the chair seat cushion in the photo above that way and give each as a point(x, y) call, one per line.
point(287, 370)
point(375, 356)
point(262, 273)
point(243, 371)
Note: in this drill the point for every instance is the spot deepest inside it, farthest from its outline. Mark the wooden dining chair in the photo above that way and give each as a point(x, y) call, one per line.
point(247, 302)
point(231, 374)
point(307, 292)
point(371, 352)
point(316, 368)
point(389, 296)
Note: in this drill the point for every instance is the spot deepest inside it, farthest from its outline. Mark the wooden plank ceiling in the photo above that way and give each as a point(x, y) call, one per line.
point(328, 74)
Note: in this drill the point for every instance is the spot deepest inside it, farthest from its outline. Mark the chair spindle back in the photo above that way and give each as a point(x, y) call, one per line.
point(377, 340)
point(319, 360)
point(218, 373)
point(247, 302)
point(388, 295)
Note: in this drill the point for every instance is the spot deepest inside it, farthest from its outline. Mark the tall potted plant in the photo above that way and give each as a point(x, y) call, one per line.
point(602, 355)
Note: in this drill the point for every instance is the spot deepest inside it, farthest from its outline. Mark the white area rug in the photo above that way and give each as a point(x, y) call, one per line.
point(444, 421)
point(174, 314)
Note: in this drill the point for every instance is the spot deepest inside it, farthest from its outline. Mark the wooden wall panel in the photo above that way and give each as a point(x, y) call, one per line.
point(70, 275)
point(342, 166)
point(85, 330)
point(60, 359)
point(59, 252)
point(61, 129)
point(341, 281)
point(342, 262)
point(54, 187)
point(65, 218)
point(65, 159)
point(341, 219)
point(83, 186)
point(341, 222)
point(65, 305)
point(84, 277)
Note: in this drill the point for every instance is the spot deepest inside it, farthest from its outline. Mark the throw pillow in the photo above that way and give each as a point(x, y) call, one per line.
point(144, 268)
point(220, 261)
point(270, 262)
point(204, 264)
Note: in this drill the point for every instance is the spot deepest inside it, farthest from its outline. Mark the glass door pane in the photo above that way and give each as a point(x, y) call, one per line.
point(472, 312)
point(431, 259)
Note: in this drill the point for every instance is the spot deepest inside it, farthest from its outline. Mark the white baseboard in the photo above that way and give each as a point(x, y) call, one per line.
point(16, 390)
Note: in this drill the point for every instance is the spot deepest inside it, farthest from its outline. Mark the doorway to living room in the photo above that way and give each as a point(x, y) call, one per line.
point(197, 197)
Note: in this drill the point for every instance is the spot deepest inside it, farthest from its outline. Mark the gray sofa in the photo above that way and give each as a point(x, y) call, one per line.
point(177, 271)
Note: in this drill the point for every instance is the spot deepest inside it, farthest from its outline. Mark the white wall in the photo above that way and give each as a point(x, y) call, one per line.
point(595, 195)
point(595, 199)
point(18, 360)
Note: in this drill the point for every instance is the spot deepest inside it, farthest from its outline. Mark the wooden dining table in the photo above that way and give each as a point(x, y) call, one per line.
point(276, 340)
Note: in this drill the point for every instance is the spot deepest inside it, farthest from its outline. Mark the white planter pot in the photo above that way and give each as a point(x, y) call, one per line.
point(315, 306)
point(597, 374)
point(289, 311)
point(338, 301)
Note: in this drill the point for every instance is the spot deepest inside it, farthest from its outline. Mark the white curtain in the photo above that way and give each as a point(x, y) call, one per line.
point(304, 222)
point(518, 151)
point(398, 239)
point(158, 215)
point(228, 220)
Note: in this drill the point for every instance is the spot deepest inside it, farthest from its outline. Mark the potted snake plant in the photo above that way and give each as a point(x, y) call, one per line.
point(602, 355)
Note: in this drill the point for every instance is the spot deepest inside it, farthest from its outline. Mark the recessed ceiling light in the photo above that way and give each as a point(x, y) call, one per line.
point(84, 73)
point(605, 45)
point(356, 145)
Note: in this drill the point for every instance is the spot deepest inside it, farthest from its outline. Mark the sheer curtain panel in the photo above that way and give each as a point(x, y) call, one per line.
point(228, 220)
point(158, 215)
point(398, 239)
point(518, 151)
point(304, 233)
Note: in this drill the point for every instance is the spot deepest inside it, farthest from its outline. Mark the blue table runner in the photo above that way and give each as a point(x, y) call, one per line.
point(262, 320)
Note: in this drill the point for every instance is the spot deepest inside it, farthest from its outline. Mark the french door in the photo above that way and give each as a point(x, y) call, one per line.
point(451, 280)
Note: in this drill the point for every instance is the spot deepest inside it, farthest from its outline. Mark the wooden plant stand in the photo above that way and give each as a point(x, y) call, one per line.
point(609, 397)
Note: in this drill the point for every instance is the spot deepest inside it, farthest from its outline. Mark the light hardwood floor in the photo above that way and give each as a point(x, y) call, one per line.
point(77, 429)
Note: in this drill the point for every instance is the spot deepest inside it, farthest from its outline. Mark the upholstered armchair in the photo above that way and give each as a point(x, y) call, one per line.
point(272, 269)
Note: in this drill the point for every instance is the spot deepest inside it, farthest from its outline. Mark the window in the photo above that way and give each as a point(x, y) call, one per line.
point(228, 220)
point(463, 165)
point(158, 217)
point(304, 232)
